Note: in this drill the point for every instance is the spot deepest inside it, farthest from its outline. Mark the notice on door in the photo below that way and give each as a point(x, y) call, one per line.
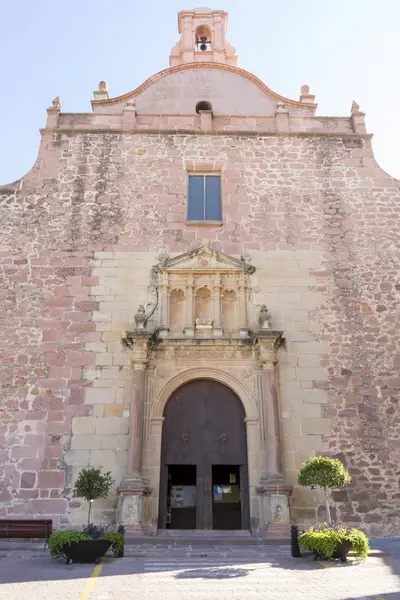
point(183, 496)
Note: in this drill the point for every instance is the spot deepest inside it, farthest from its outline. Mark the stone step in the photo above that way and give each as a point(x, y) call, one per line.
point(221, 553)
point(157, 541)
point(203, 533)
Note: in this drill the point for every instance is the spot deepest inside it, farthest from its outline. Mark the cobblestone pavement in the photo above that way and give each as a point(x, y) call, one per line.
point(200, 573)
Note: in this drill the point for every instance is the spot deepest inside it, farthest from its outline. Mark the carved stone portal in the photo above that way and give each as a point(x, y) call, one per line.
point(204, 332)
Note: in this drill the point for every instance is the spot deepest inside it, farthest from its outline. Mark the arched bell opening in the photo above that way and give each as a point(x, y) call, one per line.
point(203, 39)
point(204, 469)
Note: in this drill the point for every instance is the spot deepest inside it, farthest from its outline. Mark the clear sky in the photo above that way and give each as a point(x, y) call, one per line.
point(343, 49)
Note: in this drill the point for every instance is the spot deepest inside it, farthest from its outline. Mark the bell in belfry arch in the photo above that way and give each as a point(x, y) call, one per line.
point(203, 45)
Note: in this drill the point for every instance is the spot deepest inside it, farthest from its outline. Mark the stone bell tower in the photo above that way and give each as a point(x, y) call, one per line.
point(203, 38)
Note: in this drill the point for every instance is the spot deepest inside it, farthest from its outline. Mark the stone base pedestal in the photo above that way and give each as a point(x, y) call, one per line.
point(130, 508)
point(218, 332)
point(163, 332)
point(275, 507)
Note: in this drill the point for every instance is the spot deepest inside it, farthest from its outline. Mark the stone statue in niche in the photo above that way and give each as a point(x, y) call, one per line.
point(264, 319)
point(204, 323)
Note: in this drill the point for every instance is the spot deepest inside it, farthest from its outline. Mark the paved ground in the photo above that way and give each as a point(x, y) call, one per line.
point(186, 572)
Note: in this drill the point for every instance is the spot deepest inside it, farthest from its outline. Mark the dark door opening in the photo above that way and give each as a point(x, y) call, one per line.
point(204, 425)
point(181, 497)
point(226, 501)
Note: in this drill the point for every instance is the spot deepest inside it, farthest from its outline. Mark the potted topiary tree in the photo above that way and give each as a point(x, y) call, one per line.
point(329, 541)
point(93, 542)
point(326, 473)
point(92, 485)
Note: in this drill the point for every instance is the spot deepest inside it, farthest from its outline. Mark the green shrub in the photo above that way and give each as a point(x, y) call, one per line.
point(322, 540)
point(117, 541)
point(59, 539)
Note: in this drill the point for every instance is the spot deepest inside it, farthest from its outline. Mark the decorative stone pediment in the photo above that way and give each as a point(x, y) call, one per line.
point(204, 259)
point(203, 293)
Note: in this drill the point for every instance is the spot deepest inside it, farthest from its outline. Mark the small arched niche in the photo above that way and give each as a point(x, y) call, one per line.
point(177, 311)
point(203, 304)
point(229, 310)
point(203, 105)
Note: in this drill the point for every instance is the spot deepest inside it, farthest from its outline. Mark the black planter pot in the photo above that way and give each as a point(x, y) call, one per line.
point(86, 550)
point(342, 550)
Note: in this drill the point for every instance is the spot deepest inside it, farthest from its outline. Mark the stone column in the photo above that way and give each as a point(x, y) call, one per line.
point(272, 488)
point(163, 300)
point(136, 422)
point(189, 326)
point(282, 118)
point(358, 119)
point(132, 486)
point(129, 116)
point(217, 327)
point(243, 324)
point(53, 114)
point(273, 463)
point(206, 117)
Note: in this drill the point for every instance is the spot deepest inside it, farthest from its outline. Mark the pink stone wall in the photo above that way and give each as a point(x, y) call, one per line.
point(104, 122)
point(125, 193)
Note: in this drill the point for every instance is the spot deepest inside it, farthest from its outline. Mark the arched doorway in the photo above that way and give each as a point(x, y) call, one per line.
point(204, 472)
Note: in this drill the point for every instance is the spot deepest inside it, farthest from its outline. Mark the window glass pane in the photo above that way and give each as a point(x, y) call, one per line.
point(196, 198)
point(213, 198)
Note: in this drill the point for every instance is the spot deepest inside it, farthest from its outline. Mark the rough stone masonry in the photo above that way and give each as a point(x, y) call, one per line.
point(302, 196)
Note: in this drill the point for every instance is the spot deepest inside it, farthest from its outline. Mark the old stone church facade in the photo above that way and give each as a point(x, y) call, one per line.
point(200, 290)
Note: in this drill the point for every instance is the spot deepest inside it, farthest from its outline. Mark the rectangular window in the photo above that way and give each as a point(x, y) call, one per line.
point(204, 202)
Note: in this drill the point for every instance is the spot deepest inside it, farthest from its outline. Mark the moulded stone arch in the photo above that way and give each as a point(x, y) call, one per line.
point(244, 394)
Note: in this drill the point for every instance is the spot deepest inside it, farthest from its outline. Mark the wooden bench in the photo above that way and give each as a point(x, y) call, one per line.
point(18, 528)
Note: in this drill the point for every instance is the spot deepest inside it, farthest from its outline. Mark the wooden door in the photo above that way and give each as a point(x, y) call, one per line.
point(204, 426)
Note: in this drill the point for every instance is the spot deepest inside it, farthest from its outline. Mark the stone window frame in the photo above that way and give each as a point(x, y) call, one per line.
point(205, 168)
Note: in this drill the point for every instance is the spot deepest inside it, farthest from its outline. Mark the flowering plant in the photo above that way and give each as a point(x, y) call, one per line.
point(324, 539)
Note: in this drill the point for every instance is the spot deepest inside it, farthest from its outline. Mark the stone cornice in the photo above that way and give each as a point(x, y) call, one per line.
point(233, 133)
point(274, 488)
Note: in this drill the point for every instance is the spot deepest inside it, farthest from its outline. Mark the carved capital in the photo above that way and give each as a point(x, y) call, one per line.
point(268, 343)
point(138, 342)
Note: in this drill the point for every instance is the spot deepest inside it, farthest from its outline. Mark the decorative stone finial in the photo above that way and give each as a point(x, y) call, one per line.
point(246, 257)
point(56, 102)
point(140, 317)
point(163, 257)
point(305, 96)
point(264, 318)
point(355, 107)
point(280, 107)
point(102, 92)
